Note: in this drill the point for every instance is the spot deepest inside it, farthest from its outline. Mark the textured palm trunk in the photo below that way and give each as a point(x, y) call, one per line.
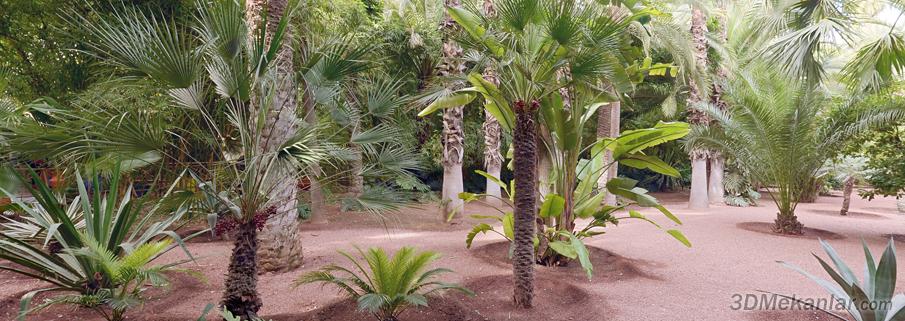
point(717, 162)
point(280, 246)
point(357, 184)
point(241, 295)
point(787, 223)
point(493, 159)
point(847, 194)
point(608, 123)
point(696, 117)
point(453, 137)
point(525, 144)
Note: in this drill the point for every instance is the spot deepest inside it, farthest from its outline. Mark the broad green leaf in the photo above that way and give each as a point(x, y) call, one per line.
point(492, 179)
point(553, 206)
point(480, 228)
point(454, 100)
point(679, 236)
point(468, 197)
point(564, 249)
point(668, 214)
point(508, 225)
point(652, 163)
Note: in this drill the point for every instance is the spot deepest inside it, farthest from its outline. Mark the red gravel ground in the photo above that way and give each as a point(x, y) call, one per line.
point(641, 273)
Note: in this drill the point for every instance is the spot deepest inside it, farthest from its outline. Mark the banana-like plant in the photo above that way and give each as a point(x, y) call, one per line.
point(386, 286)
point(90, 259)
point(872, 298)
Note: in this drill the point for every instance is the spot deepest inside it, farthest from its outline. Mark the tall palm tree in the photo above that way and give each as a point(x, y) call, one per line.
point(453, 138)
point(493, 159)
point(280, 247)
point(222, 71)
point(716, 191)
point(696, 117)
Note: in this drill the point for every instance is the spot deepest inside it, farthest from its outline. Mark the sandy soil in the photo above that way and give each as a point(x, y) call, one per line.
point(642, 273)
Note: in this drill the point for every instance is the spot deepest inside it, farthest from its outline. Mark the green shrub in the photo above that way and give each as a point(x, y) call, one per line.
point(389, 285)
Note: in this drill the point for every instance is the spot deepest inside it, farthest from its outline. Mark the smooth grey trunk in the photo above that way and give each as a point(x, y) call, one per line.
point(280, 247)
point(452, 136)
point(493, 159)
point(698, 198)
point(696, 116)
point(716, 190)
point(608, 124)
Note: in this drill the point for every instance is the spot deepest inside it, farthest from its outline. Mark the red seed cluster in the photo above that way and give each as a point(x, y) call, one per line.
point(227, 223)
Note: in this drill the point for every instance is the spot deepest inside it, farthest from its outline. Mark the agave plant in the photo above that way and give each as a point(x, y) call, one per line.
point(870, 299)
point(389, 285)
point(91, 260)
point(33, 228)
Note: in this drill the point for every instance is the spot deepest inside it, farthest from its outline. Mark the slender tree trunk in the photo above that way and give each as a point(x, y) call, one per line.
point(716, 190)
point(525, 144)
point(698, 197)
point(493, 159)
point(358, 183)
point(847, 194)
point(608, 123)
point(453, 137)
point(717, 161)
point(280, 245)
point(241, 295)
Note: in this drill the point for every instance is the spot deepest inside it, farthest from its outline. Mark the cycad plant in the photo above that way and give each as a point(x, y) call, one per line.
point(782, 132)
point(386, 286)
point(103, 261)
point(872, 298)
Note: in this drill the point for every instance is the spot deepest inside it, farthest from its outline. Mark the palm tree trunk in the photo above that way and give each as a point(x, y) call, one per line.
point(608, 123)
point(452, 136)
point(493, 159)
point(241, 295)
point(525, 144)
point(280, 246)
point(717, 162)
point(698, 197)
point(847, 194)
point(716, 190)
point(787, 223)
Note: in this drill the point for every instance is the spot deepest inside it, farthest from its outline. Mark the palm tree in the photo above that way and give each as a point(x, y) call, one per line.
point(225, 71)
point(696, 117)
point(524, 139)
point(452, 136)
point(493, 159)
point(781, 132)
point(716, 191)
point(281, 248)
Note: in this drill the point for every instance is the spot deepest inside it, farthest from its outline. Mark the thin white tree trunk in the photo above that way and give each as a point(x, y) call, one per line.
point(608, 124)
point(716, 190)
point(453, 138)
point(699, 190)
point(698, 198)
point(493, 159)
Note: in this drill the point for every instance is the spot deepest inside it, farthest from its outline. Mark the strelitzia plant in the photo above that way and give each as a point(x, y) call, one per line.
point(389, 285)
point(872, 299)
